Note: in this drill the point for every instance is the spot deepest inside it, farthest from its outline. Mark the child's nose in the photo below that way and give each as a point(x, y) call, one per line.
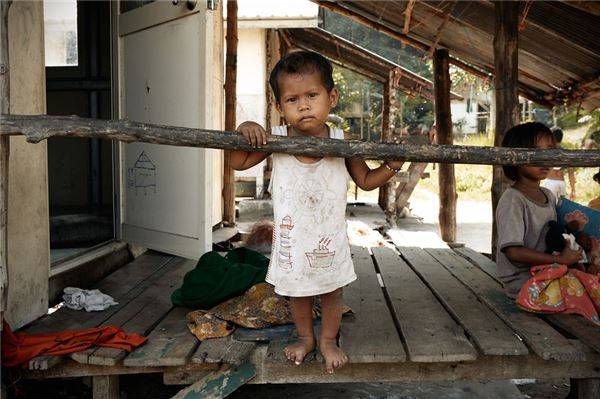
point(304, 104)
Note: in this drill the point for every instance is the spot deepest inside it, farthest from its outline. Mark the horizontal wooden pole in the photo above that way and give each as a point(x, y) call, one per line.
point(40, 127)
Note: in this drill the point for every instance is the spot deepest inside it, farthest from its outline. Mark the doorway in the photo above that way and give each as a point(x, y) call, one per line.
point(78, 82)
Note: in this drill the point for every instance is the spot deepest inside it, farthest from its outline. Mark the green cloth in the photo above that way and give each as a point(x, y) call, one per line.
point(216, 278)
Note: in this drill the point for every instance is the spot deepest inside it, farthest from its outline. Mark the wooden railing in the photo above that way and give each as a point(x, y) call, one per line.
point(40, 127)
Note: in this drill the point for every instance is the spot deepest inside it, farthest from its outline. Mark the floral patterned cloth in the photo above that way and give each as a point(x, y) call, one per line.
point(558, 289)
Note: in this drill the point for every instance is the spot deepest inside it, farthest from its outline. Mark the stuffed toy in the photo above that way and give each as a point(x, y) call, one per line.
point(558, 236)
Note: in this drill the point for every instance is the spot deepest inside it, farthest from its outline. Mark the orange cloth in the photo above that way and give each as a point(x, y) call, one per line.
point(558, 289)
point(18, 348)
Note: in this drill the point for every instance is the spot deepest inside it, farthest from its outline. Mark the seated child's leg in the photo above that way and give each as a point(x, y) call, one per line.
point(331, 316)
point(301, 308)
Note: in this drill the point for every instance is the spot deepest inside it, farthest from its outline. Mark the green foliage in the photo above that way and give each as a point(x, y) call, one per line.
point(416, 111)
point(569, 117)
point(362, 95)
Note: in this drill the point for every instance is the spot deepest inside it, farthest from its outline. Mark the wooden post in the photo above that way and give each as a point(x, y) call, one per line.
point(273, 54)
point(105, 387)
point(506, 64)
point(584, 388)
point(443, 117)
point(4, 155)
point(386, 133)
point(230, 105)
point(390, 110)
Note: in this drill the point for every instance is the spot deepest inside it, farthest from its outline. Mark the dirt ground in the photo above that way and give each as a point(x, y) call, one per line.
point(150, 386)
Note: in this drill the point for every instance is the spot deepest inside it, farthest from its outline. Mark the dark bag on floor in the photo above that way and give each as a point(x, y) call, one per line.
point(216, 278)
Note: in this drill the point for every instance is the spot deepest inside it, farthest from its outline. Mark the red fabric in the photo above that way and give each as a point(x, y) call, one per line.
point(558, 289)
point(18, 348)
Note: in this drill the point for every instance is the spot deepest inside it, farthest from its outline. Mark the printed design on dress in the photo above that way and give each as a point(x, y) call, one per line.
point(285, 243)
point(321, 257)
point(311, 198)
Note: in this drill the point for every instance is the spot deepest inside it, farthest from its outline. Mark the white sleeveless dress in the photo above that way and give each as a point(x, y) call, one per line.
point(311, 253)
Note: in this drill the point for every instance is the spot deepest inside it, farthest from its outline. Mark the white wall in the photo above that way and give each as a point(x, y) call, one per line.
point(459, 111)
point(251, 87)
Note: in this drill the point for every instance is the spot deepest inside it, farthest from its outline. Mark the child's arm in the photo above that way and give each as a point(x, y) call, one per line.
point(571, 173)
point(518, 254)
point(256, 137)
point(369, 179)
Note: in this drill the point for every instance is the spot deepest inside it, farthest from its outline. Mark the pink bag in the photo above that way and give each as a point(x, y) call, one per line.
point(557, 289)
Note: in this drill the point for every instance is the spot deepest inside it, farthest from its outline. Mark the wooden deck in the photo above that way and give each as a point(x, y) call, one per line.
point(420, 314)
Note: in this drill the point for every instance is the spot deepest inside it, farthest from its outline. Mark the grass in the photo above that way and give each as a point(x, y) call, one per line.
point(473, 182)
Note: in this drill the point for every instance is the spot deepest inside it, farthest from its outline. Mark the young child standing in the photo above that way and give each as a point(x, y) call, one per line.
point(311, 254)
point(524, 211)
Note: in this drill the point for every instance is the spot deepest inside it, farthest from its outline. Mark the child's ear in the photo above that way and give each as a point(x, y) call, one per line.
point(334, 96)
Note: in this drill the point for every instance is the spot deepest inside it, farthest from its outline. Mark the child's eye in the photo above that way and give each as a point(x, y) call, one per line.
point(313, 95)
point(291, 100)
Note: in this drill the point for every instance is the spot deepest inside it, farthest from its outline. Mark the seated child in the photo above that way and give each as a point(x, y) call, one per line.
point(310, 255)
point(524, 211)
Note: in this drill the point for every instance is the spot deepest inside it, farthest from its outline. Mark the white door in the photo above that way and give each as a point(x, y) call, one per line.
point(170, 73)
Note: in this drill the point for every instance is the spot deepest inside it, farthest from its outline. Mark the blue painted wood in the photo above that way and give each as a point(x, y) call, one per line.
point(219, 384)
point(263, 334)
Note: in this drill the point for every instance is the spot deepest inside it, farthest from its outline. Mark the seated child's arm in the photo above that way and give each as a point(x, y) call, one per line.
point(369, 179)
point(256, 137)
point(531, 257)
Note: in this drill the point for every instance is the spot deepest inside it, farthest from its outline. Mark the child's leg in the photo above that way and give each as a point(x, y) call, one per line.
point(301, 308)
point(331, 317)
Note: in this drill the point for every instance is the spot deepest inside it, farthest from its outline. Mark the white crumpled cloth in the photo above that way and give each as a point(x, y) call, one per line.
point(90, 300)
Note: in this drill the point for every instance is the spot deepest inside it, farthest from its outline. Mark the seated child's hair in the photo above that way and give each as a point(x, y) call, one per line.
point(524, 135)
point(597, 177)
point(558, 133)
point(301, 61)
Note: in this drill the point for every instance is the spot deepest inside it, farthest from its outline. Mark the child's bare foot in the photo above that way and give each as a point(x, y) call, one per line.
point(298, 351)
point(334, 357)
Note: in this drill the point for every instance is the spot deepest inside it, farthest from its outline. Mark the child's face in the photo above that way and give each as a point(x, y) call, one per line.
point(305, 102)
point(538, 172)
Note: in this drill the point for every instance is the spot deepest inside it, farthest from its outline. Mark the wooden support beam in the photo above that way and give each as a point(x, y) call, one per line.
point(105, 387)
point(506, 64)
point(440, 30)
point(41, 127)
point(526, 91)
point(4, 155)
point(273, 55)
point(386, 133)
point(443, 120)
point(407, 16)
point(230, 108)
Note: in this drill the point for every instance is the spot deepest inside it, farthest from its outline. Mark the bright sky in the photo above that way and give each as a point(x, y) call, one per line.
point(57, 10)
point(277, 8)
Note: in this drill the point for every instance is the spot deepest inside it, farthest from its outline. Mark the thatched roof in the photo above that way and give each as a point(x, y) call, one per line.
point(358, 59)
point(559, 50)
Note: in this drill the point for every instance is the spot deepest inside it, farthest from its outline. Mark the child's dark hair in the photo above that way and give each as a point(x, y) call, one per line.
point(597, 177)
point(524, 135)
point(558, 133)
point(301, 61)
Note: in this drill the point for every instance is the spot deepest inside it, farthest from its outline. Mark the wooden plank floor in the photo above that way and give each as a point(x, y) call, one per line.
point(436, 307)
